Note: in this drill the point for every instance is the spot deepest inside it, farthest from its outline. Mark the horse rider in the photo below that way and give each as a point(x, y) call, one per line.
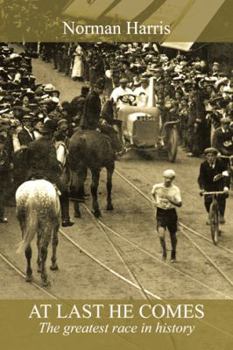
point(214, 176)
point(43, 164)
point(110, 126)
point(78, 102)
point(92, 107)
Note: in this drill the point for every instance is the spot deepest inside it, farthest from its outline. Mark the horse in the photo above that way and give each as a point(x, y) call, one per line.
point(91, 149)
point(38, 212)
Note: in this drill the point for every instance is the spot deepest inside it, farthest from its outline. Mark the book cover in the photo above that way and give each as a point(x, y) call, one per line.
point(116, 137)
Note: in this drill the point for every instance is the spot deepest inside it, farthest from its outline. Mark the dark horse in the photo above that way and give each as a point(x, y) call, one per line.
point(90, 149)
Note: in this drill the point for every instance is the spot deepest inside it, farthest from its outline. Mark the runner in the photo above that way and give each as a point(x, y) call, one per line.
point(166, 197)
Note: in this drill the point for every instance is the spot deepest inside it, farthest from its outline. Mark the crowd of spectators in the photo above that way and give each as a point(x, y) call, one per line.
point(187, 87)
point(196, 92)
point(28, 111)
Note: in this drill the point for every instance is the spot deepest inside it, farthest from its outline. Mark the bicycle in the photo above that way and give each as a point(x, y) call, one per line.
point(214, 215)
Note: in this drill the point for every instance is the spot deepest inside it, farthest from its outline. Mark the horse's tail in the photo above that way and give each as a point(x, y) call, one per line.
point(31, 227)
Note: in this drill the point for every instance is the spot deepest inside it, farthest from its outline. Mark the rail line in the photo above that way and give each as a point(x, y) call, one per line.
point(70, 240)
point(138, 286)
point(181, 224)
point(184, 227)
point(45, 291)
point(22, 274)
point(107, 268)
point(103, 226)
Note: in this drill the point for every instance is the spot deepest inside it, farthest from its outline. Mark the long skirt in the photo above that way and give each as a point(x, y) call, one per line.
point(78, 68)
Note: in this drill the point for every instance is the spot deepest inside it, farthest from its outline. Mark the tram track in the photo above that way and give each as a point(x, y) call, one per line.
point(145, 293)
point(155, 257)
point(46, 290)
point(181, 224)
point(53, 296)
point(134, 282)
point(106, 267)
point(136, 285)
point(13, 266)
point(184, 228)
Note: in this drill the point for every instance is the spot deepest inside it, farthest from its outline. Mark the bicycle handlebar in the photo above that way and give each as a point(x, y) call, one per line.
point(225, 157)
point(212, 193)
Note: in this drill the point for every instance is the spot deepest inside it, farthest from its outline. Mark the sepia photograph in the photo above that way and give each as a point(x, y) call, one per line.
point(116, 174)
point(116, 170)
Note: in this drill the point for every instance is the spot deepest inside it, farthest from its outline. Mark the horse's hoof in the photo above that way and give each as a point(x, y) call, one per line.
point(77, 215)
point(46, 284)
point(109, 207)
point(28, 278)
point(54, 267)
point(97, 213)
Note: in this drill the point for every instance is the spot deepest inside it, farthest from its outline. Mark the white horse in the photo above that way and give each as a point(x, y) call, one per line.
point(38, 212)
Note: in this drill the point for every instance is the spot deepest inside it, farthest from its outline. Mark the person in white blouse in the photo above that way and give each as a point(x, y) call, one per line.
point(62, 154)
point(142, 93)
point(121, 91)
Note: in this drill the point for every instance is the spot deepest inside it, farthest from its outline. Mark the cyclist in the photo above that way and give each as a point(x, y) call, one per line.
point(214, 176)
point(166, 197)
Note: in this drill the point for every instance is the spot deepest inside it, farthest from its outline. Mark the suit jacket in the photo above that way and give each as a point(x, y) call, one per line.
point(42, 160)
point(4, 168)
point(91, 112)
point(24, 137)
point(207, 174)
point(223, 141)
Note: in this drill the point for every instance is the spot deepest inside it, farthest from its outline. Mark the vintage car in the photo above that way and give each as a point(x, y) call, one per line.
point(143, 130)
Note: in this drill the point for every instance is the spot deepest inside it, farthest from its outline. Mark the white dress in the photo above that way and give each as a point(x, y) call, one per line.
point(78, 67)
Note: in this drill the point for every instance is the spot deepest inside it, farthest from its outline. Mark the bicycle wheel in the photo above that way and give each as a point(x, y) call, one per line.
point(214, 222)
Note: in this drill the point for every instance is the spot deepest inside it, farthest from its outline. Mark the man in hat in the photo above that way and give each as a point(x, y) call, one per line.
point(166, 197)
point(26, 135)
point(63, 130)
point(213, 176)
point(215, 69)
point(43, 163)
point(92, 107)
point(223, 137)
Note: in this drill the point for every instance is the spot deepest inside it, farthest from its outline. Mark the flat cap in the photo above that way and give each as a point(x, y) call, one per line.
point(170, 173)
point(211, 150)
